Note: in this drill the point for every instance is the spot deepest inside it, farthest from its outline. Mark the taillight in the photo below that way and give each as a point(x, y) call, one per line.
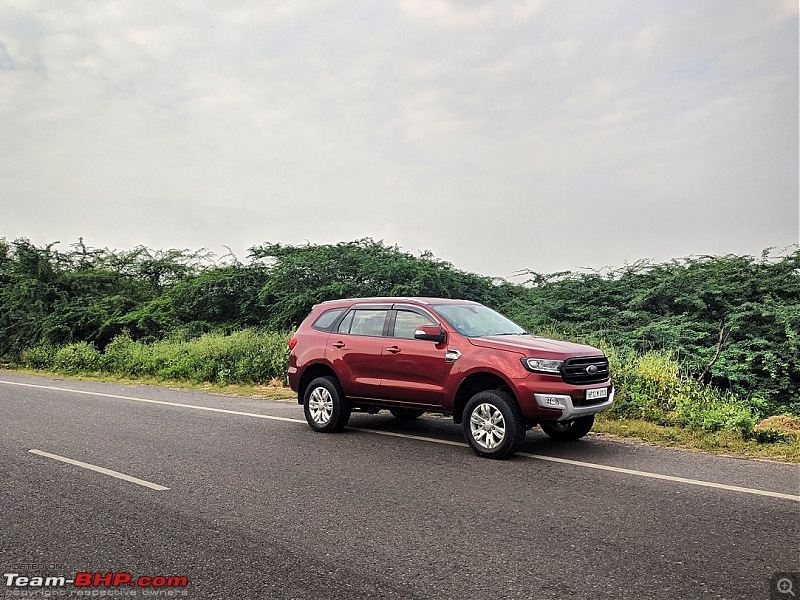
point(292, 343)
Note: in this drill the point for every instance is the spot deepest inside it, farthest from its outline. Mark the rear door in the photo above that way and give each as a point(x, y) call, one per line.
point(414, 371)
point(355, 349)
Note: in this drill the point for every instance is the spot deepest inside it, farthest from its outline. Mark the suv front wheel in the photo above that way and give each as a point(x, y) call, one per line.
point(493, 424)
point(326, 408)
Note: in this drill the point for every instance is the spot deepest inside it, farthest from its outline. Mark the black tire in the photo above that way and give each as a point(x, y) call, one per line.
point(568, 431)
point(406, 414)
point(326, 408)
point(493, 424)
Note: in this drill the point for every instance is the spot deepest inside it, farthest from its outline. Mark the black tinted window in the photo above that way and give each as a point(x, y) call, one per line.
point(326, 319)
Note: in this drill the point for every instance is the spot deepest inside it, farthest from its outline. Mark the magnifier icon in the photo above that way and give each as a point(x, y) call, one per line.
point(785, 586)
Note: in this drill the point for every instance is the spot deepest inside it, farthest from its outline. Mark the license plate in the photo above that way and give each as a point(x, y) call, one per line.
point(596, 393)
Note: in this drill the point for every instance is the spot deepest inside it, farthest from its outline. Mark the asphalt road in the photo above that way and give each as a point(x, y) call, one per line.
point(265, 508)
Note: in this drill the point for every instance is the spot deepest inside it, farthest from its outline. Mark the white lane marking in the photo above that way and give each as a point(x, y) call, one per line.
point(195, 407)
point(103, 470)
point(711, 484)
point(567, 461)
point(579, 463)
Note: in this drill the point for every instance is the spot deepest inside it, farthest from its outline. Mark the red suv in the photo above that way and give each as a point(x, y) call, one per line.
point(412, 355)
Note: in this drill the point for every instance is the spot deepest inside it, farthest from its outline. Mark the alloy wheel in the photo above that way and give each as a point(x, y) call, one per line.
point(320, 405)
point(487, 425)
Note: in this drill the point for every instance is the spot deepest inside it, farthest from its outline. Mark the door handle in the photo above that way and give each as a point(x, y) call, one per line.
point(338, 344)
point(393, 349)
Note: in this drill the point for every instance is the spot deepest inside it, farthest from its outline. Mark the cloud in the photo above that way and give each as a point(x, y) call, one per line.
point(7, 62)
point(439, 13)
point(556, 136)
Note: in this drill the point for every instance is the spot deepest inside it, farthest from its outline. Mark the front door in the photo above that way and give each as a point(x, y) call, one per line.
point(414, 371)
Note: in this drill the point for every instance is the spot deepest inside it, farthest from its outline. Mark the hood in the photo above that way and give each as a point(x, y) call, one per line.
point(530, 345)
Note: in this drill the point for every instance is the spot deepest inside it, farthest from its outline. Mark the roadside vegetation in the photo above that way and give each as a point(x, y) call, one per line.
point(702, 348)
point(247, 356)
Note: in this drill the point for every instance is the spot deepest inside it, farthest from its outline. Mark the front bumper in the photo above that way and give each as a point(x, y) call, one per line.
point(568, 410)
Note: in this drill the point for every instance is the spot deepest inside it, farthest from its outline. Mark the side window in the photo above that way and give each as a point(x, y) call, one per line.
point(326, 319)
point(344, 326)
point(407, 321)
point(364, 322)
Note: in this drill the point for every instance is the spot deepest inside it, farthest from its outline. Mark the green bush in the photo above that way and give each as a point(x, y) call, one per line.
point(39, 357)
point(647, 386)
point(652, 387)
point(81, 357)
point(247, 356)
point(742, 423)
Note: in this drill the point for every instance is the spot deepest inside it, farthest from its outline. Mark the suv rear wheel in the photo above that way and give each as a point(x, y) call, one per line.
point(325, 406)
point(493, 424)
point(568, 431)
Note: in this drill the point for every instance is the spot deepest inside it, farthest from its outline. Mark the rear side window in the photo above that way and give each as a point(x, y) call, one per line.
point(364, 322)
point(326, 319)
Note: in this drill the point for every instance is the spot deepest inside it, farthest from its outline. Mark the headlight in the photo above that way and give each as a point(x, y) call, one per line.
point(542, 365)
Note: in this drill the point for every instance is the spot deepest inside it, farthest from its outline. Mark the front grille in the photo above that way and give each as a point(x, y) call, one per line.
point(574, 370)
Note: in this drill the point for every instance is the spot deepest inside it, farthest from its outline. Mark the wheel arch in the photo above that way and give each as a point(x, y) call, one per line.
point(310, 374)
point(478, 382)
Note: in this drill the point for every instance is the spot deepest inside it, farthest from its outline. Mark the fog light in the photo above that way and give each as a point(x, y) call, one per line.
point(551, 401)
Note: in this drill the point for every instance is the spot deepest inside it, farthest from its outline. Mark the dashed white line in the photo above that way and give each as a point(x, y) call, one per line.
point(103, 470)
point(577, 463)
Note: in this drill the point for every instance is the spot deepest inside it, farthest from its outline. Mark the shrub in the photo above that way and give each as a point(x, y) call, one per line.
point(126, 357)
point(647, 386)
point(653, 387)
point(39, 357)
point(742, 423)
point(247, 356)
point(81, 357)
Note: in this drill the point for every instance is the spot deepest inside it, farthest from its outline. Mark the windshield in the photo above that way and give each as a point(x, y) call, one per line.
point(475, 320)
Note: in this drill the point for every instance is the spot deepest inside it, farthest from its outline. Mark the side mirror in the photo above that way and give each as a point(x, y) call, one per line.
point(432, 333)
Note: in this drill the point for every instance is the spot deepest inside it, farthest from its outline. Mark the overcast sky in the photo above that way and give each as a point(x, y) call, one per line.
point(501, 136)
